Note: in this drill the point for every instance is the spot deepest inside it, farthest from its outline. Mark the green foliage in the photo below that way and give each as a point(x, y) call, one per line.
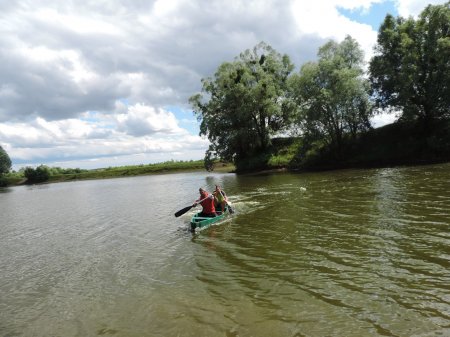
point(56, 174)
point(5, 162)
point(284, 151)
point(128, 171)
point(332, 95)
point(255, 162)
point(58, 170)
point(411, 69)
point(254, 99)
point(401, 143)
point(280, 154)
point(245, 103)
point(11, 178)
point(329, 103)
point(38, 174)
point(209, 159)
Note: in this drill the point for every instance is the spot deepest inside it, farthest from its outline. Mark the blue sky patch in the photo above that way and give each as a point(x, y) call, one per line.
point(374, 16)
point(186, 119)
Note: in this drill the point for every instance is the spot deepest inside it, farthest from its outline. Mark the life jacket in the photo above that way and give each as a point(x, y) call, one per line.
point(220, 196)
point(207, 204)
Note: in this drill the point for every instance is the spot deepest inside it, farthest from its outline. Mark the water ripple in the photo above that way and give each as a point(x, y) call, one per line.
point(348, 253)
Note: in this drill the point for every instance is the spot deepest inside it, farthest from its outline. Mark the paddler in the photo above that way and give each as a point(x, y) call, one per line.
point(220, 198)
point(207, 202)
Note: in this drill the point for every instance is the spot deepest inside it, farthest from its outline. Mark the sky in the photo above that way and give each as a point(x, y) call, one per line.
point(102, 83)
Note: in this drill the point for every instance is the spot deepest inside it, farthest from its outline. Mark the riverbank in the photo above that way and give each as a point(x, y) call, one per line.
point(131, 171)
point(54, 175)
point(397, 144)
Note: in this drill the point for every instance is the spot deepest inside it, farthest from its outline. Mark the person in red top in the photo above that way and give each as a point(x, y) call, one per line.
point(207, 202)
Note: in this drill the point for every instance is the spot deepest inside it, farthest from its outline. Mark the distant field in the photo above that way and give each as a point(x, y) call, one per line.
point(136, 170)
point(58, 175)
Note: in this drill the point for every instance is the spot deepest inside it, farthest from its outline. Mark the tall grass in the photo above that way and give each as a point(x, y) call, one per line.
point(131, 170)
point(57, 174)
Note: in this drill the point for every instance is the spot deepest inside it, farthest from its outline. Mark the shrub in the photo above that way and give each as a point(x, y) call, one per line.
point(37, 175)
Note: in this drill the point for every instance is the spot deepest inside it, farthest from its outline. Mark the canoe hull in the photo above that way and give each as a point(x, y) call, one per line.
point(203, 222)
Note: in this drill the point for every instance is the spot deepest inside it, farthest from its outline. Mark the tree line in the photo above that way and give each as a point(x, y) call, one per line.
point(32, 175)
point(257, 97)
point(44, 173)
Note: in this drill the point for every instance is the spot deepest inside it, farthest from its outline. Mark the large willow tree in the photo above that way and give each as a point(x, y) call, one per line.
point(411, 69)
point(332, 94)
point(244, 104)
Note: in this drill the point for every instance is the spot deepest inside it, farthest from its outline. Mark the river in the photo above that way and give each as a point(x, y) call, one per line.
point(342, 253)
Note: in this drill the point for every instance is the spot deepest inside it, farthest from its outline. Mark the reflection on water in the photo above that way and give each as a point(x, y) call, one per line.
point(348, 253)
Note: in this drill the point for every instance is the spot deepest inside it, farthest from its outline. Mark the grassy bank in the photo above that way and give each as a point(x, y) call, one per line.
point(132, 170)
point(391, 145)
point(59, 175)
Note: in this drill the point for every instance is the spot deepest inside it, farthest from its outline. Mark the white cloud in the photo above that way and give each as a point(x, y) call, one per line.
point(94, 79)
point(322, 18)
point(79, 24)
point(42, 133)
point(141, 120)
point(139, 132)
point(413, 8)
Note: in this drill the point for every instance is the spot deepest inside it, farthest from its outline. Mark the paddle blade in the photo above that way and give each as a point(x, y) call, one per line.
point(182, 211)
point(230, 209)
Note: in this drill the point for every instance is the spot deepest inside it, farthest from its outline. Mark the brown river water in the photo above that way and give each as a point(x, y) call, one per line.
point(342, 253)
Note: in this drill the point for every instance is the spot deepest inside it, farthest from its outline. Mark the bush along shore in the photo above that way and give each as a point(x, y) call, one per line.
point(46, 174)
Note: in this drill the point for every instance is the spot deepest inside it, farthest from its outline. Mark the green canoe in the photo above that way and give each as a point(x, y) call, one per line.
point(202, 222)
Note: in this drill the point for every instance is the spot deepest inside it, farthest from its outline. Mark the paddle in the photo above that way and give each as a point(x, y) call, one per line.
point(184, 210)
point(230, 209)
